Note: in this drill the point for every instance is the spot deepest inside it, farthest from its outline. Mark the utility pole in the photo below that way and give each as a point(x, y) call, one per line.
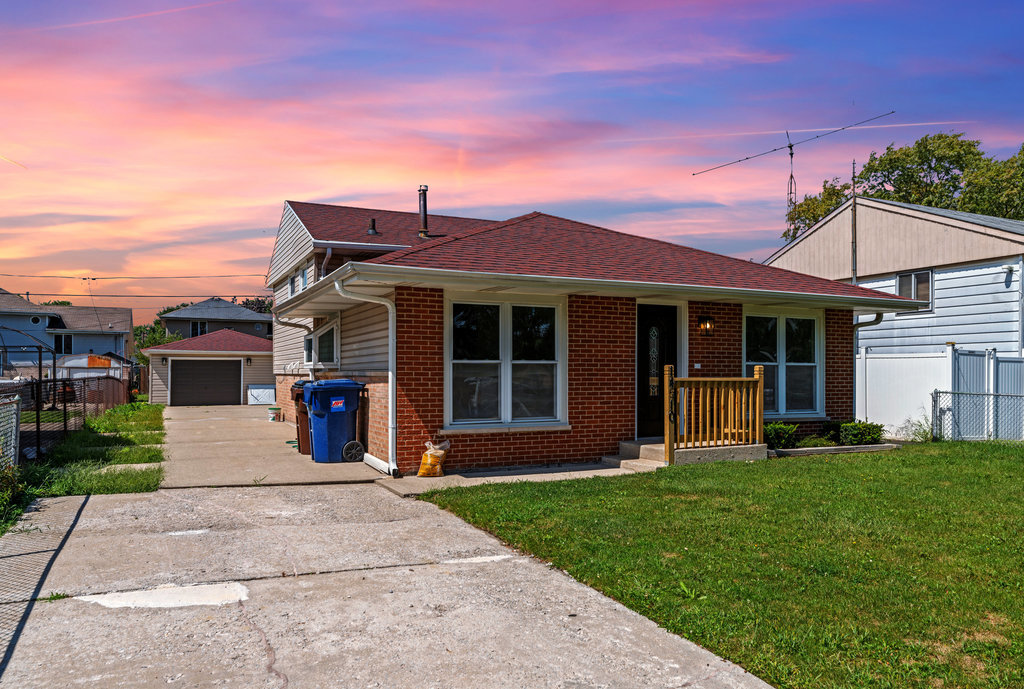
point(853, 224)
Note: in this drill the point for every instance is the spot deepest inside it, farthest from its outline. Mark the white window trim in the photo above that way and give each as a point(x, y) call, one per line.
point(315, 337)
point(819, 357)
point(561, 419)
point(60, 338)
point(931, 291)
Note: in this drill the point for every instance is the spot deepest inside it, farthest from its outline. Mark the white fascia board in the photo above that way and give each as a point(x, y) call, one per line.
point(67, 331)
point(381, 273)
point(198, 351)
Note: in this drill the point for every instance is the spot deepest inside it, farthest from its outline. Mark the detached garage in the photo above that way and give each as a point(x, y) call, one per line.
point(222, 367)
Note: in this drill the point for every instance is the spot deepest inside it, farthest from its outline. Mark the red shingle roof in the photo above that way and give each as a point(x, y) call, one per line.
point(348, 224)
point(545, 245)
point(218, 341)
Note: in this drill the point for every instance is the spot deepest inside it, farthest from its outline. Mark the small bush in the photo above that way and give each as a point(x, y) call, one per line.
point(780, 436)
point(831, 429)
point(815, 441)
point(12, 491)
point(860, 433)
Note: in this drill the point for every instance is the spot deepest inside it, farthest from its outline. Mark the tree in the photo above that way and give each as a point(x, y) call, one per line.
point(154, 334)
point(938, 170)
point(258, 304)
point(56, 302)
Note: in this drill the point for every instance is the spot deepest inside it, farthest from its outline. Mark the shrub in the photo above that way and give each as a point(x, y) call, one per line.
point(815, 441)
point(831, 429)
point(780, 436)
point(11, 493)
point(860, 433)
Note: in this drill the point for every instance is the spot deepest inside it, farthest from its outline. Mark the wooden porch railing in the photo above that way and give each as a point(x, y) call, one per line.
point(712, 412)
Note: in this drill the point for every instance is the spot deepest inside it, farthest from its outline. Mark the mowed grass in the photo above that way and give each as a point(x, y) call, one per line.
point(81, 464)
point(897, 569)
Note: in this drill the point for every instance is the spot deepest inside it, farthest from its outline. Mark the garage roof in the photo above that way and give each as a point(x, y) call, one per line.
point(227, 341)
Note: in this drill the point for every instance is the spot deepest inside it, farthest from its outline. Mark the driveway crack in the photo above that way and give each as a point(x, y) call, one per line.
point(268, 650)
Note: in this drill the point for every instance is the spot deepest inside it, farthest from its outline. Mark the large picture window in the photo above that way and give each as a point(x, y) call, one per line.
point(788, 348)
point(505, 363)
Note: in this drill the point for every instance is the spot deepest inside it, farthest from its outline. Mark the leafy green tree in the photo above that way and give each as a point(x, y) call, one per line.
point(56, 302)
point(258, 304)
point(996, 187)
point(154, 333)
point(938, 170)
point(805, 214)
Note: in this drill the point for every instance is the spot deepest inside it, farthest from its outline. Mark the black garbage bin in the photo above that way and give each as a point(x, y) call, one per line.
point(301, 417)
point(332, 420)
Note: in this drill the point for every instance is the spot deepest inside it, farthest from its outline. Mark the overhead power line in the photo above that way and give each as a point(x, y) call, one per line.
point(135, 277)
point(144, 296)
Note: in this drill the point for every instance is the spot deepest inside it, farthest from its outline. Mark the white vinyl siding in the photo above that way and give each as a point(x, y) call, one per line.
point(288, 340)
point(293, 245)
point(364, 338)
point(977, 306)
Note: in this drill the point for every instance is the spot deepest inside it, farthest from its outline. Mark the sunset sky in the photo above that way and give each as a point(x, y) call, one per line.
point(160, 138)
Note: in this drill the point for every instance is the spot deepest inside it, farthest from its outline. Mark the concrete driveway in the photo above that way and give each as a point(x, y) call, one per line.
point(315, 586)
point(237, 446)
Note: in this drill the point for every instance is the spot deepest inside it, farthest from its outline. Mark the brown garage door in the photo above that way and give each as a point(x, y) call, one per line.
point(206, 381)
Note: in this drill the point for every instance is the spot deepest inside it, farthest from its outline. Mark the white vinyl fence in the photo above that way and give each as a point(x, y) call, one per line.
point(895, 388)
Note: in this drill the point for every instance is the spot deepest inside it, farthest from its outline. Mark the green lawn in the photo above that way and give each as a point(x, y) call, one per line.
point(897, 569)
point(73, 467)
point(49, 415)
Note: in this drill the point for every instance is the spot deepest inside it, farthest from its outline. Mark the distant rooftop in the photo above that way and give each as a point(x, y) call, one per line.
point(217, 309)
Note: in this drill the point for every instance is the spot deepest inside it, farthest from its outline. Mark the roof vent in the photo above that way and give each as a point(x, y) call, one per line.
point(373, 227)
point(424, 232)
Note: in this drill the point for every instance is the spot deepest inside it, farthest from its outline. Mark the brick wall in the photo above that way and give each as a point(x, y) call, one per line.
point(720, 355)
point(839, 364)
point(377, 411)
point(601, 344)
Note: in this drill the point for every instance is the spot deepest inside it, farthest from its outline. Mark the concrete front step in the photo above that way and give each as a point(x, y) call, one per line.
point(653, 450)
point(631, 463)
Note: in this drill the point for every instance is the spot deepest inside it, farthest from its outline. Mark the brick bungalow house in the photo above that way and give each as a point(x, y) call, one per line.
point(540, 339)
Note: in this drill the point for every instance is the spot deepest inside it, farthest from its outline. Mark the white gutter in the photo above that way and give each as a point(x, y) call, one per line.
point(357, 246)
point(392, 366)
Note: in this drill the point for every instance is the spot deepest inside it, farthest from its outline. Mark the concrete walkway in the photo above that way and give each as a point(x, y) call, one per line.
point(237, 446)
point(317, 586)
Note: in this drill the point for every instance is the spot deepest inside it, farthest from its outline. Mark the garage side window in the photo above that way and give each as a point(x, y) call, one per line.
point(505, 363)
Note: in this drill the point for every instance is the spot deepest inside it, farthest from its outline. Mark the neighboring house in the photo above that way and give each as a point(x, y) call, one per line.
point(216, 368)
point(967, 267)
point(540, 339)
point(216, 314)
point(66, 330)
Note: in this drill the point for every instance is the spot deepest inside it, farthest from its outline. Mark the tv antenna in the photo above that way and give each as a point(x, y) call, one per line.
point(791, 191)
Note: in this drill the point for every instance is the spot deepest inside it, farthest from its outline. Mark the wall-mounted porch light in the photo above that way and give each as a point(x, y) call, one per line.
point(248, 361)
point(706, 325)
point(163, 361)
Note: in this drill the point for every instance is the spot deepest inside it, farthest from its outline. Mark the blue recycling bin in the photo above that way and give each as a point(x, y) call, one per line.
point(332, 406)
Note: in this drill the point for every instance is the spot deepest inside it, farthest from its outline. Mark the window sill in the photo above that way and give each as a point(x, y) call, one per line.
point(504, 428)
point(795, 418)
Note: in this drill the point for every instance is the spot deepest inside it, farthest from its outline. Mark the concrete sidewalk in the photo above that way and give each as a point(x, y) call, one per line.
point(237, 446)
point(324, 586)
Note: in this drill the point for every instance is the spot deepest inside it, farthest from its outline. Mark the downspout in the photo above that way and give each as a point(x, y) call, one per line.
point(874, 321)
point(392, 367)
point(323, 266)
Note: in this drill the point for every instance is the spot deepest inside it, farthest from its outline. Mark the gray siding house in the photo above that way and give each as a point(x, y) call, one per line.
point(967, 266)
point(216, 314)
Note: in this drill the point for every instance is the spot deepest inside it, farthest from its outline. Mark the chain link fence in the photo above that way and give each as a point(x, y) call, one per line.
point(10, 413)
point(52, 408)
point(977, 416)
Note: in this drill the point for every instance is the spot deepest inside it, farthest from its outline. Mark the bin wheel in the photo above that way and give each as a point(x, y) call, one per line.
point(353, 451)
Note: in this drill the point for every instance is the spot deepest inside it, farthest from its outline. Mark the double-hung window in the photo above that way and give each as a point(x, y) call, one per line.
point(915, 286)
point(62, 344)
point(789, 348)
point(324, 343)
point(198, 328)
point(506, 363)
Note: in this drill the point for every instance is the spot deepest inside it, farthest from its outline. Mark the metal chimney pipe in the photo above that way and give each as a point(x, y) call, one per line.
point(424, 232)
point(373, 227)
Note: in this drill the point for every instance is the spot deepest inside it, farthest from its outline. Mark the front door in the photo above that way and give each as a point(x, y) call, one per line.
point(656, 347)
